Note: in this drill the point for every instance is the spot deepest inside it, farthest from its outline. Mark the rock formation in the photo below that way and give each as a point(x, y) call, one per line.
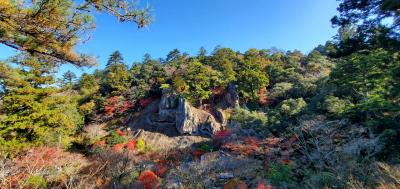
point(231, 97)
point(173, 115)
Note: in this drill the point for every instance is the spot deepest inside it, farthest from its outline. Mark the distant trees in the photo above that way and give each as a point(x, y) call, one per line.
point(68, 80)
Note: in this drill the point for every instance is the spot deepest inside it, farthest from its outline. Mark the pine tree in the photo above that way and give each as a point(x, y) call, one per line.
point(35, 111)
point(115, 58)
point(68, 80)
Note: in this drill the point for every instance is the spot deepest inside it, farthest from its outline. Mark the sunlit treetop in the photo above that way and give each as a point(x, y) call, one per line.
point(52, 28)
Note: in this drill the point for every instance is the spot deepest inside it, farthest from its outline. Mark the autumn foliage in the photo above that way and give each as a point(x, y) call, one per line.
point(116, 105)
point(149, 179)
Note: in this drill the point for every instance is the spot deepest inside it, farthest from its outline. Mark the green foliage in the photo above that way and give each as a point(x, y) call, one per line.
point(336, 106)
point(36, 113)
point(117, 79)
point(130, 177)
point(249, 119)
point(251, 77)
point(146, 78)
point(205, 147)
point(200, 80)
point(114, 138)
point(292, 107)
point(36, 181)
point(281, 175)
point(322, 180)
point(68, 80)
point(281, 90)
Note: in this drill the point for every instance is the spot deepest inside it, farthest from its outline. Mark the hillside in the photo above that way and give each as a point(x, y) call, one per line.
point(262, 118)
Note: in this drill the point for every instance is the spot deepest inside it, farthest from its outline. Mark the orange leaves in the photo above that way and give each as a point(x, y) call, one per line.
point(131, 145)
point(149, 179)
point(262, 96)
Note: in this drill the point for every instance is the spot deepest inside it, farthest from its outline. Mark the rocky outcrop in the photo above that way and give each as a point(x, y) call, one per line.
point(193, 121)
point(231, 97)
point(173, 115)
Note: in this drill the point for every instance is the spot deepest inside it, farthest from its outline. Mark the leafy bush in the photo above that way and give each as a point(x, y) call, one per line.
point(87, 108)
point(249, 119)
point(292, 107)
point(321, 180)
point(117, 105)
point(149, 179)
point(36, 181)
point(129, 178)
point(335, 105)
point(280, 90)
point(116, 138)
point(281, 175)
point(140, 145)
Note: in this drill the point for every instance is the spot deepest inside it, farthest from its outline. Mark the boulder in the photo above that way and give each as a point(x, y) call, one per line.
point(193, 121)
point(231, 97)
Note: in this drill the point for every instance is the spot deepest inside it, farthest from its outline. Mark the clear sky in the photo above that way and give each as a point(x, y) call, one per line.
point(190, 24)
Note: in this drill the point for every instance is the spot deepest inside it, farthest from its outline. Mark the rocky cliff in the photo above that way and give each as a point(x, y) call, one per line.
point(174, 116)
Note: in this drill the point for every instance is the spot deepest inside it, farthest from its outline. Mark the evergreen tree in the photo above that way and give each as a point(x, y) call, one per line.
point(35, 111)
point(115, 58)
point(68, 79)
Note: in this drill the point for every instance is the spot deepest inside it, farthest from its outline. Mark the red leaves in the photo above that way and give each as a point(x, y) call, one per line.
point(161, 169)
point(263, 186)
point(120, 133)
point(146, 101)
point(286, 161)
point(223, 134)
point(198, 153)
point(149, 179)
point(117, 105)
point(131, 145)
point(220, 137)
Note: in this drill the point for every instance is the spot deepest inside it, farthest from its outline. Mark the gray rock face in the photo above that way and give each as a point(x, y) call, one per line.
point(231, 97)
point(173, 115)
point(193, 121)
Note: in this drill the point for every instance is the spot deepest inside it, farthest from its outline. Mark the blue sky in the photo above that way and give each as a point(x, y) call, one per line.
point(190, 24)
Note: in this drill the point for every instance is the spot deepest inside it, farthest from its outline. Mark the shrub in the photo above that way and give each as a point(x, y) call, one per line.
point(140, 145)
point(281, 175)
point(292, 107)
point(115, 138)
point(87, 108)
point(335, 106)
point(36, 181)
point(149, 179)
point(249, 119)
point(129, 178)
point(131, 145)
point(280, 90)
point(117, 105)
